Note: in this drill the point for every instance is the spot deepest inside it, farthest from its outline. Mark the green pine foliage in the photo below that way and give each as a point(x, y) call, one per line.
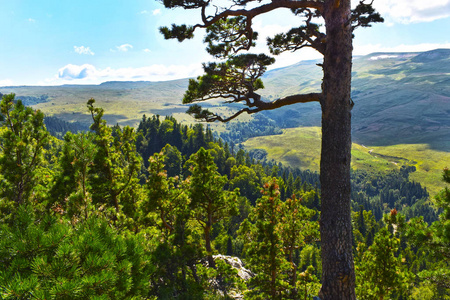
point(22, 140)
point(115, 167)
point(382, 271)
point(210, 202)
point(114, 213)
point(264, 246)
point(434, 241)
point(47, 259)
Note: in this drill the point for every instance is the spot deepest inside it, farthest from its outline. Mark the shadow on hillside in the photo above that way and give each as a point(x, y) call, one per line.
point(87, 118)
point(438, 141)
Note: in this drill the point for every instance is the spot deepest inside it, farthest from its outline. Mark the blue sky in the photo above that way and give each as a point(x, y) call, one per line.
point(53, 42)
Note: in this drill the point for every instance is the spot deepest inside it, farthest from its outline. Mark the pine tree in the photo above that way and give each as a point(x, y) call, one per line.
point(264, 246)
point(43, 258)
point(382, 271)
point(237, 78)
point(71, 190)
point(22, 140)
point(210, 202)
point(296, 229)
point(435, 240)
point(114, 173)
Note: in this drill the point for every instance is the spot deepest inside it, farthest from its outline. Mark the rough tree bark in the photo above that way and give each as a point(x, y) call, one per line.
point(338, 276)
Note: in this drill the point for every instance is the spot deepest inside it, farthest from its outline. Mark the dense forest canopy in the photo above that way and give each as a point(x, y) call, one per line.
point(118, 213)
point(235, 77)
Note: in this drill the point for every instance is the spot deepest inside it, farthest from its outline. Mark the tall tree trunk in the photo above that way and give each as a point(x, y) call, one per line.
point(338, 275)
point(209, 257)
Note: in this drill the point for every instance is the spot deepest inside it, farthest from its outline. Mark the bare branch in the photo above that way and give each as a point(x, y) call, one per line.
point(295, 39)
point(246, 36)
point(260, 10)
point(258, 106)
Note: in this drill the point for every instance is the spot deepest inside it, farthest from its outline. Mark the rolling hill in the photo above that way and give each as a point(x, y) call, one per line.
point(401, 114)
point(300, 147)
point(400, 98)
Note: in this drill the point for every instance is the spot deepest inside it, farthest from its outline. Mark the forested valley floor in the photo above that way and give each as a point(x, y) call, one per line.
point(123, 213)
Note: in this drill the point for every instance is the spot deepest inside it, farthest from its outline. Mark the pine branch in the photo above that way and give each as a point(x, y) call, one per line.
point(256, 106)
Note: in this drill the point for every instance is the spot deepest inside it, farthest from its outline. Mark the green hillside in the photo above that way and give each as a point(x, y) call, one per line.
point(402, 110)
point(125, 102)
point(300, 147)
point(400, 98)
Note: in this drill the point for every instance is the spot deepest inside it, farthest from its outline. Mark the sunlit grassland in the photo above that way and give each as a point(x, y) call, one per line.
point(428, 162)
point(300, 147)
point(124, 103)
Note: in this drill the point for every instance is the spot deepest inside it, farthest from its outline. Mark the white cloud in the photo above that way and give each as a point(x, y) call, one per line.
point(382, 57)
point(6, 82)
point(156, 11)
point(83, 50)
point(411, 11)
point(71, 72)
point(147, 50)
point(143, 12)
point(31, 20)
point(123, 48)
point(90, 74)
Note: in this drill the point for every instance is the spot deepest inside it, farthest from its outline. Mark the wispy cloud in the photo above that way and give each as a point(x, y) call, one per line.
point(147, 50)
point(382, 57)
point(31, 20)
point(153, 12)
point(123, 48)
point(411, 11)
point(6, 82)
point(83, 50)
point(90, 74)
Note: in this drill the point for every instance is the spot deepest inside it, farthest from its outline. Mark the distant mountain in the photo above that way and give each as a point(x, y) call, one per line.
point(399, 98)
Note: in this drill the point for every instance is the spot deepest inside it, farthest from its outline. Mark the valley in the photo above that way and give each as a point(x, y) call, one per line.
point(401, 113)
point(300, 147)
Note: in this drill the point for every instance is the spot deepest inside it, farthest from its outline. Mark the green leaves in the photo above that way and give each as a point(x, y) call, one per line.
point(22, 140)
point(179, 32)
point(115, 166)
point(435, 240)
point(235, 80)
point(297, 38)
point(280, 229)
point(53, 260)
point(364, 14)
point(382, 270)
point(228, 36)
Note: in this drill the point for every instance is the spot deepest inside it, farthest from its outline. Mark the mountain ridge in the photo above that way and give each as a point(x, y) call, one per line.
point(400, 97)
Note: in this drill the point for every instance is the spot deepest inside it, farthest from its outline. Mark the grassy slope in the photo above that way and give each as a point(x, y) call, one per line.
point(400, 98)
point(300, 147)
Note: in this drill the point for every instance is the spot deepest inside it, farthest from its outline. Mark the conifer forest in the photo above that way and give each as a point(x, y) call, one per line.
point(172, 211)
